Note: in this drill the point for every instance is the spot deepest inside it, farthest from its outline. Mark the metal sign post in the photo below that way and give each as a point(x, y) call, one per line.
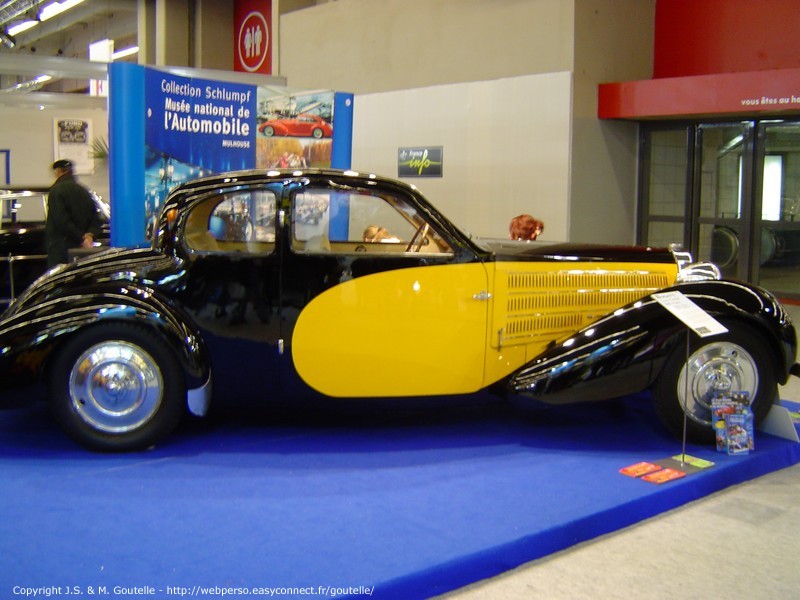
point(698, 321)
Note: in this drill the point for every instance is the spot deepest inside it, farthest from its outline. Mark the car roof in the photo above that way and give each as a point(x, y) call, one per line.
point(279, 175)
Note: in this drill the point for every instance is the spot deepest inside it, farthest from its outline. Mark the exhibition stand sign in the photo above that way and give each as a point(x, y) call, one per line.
point(167, 128)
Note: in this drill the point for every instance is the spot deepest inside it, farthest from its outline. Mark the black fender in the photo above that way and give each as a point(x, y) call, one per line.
point(30, 335)
point(623, 352)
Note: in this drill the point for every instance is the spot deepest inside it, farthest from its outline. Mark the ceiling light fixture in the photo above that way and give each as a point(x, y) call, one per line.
point(48, 12)
point(56, 8)
point(28, 86)
point(20, 27)
point(125, 52)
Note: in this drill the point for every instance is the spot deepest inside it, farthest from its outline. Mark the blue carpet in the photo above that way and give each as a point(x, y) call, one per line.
point(403, 506)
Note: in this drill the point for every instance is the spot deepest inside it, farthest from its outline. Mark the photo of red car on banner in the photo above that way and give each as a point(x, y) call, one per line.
point(294, 128)
point(303, 125)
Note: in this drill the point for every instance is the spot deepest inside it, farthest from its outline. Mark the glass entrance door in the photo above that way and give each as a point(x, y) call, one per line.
point(722, 174)
point(779, 145)
point(665, 210)
point(728, 192)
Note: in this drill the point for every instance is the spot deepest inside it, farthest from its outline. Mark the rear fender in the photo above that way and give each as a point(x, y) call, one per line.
point(29, 337)
point(623, 352)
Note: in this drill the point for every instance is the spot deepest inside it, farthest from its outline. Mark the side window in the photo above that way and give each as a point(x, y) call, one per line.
point(311, 221)
point(23, 207)
point(334, 221)
point(242, 221)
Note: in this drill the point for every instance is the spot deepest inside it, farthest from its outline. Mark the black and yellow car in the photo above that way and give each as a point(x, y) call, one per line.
point(270, 284)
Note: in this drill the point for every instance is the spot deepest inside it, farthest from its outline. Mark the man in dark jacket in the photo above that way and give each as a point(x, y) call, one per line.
point(72, 219)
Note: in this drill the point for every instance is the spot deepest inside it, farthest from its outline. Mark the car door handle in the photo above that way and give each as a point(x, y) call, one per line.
point(483, 295)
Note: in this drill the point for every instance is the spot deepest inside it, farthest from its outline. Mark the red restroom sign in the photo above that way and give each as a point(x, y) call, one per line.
point(252, 21)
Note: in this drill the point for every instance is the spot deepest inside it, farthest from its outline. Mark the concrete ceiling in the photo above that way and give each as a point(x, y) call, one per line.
point(67, 35)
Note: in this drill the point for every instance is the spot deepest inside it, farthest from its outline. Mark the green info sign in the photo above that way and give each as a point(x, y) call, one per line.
point(424, 161)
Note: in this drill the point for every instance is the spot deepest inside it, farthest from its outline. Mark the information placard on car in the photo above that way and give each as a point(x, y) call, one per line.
point(694, 317)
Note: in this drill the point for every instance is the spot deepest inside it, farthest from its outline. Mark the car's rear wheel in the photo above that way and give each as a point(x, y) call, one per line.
point(268, 131)
point(317, 133)
point(738, 360)
point(116, 387)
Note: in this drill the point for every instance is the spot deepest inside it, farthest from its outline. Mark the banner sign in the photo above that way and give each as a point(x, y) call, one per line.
point(165, 129)
point(201, 122)
point(194, 127)
point(252, 22)
point(423, 161)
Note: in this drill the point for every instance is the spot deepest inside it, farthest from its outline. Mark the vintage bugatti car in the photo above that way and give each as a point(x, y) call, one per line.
point(262, 283)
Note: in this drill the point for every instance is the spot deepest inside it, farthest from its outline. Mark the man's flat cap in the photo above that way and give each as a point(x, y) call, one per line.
point(62, 164)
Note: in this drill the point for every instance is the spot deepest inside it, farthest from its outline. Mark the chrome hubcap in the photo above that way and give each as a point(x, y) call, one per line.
point(115, 387)
point(719, 367)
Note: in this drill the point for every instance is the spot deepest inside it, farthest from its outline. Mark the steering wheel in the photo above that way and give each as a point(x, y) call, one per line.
point(418, 238)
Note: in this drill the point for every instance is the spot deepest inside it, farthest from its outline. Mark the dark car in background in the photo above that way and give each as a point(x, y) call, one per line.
point(23, 253)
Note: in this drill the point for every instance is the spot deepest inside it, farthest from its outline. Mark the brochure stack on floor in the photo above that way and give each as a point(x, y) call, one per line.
point(733, 423)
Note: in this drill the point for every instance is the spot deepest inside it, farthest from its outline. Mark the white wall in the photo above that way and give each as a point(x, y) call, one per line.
point(28, 133)
point(365, 46)
point(614, 41)
point(506, 147)
point(374, 49)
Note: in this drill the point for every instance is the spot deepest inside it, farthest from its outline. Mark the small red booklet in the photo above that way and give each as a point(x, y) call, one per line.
point(664, 475)
point(639, 469)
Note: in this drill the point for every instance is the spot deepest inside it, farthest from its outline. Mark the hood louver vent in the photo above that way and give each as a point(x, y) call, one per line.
point(558, 303)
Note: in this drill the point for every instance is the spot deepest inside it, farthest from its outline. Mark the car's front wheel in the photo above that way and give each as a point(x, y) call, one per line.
point(268, 131)
point(737, 361)
point(116, 387)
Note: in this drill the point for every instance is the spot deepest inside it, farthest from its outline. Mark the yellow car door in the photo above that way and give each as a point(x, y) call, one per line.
point(402, 332)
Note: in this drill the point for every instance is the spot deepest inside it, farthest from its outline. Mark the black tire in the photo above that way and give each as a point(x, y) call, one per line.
point(268, 131)
point(738, 360)
point(117, 387)
point(317, 133)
